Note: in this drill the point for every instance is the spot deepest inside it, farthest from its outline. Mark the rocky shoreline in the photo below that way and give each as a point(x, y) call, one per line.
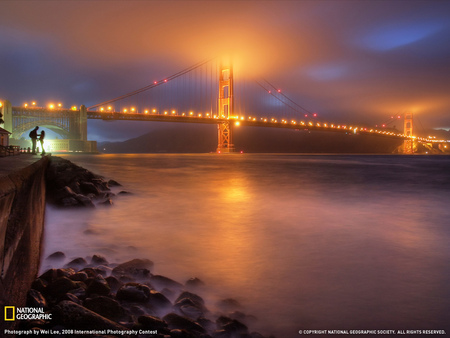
point(69, 185)
point(90, 297)
point(128, 300)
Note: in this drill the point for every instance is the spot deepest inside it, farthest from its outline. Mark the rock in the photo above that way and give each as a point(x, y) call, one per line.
point(66, 272)
point(123, 192)
point(107, 202)
point(150, 322)
point(106, 307)
point(134, 292)
point(35, 299)
point(135, 267)
point(176, 333)
point(79, 292)
point(113, 183)
point(79, 276)
point(231, 326)
point(235, 327)
point(161, 282)
point(89, 188)
point(60, 286)
point(193, 283)
point(158, 300)
point(68, 202)
point(191, 311)
point(58, 255)
point(77, 263)
point(84, 201)
point(114, 283)
point(49, 276)
point(175, 321)
point(72, 315)
point(190, 305)
point(207, 324)
point(99, 260)
point(193, 297)
point(97, 286)
point(39, 285)
point(104, 270)
point(71, 297)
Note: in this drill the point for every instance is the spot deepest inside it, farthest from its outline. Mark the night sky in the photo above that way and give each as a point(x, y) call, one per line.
point(354, 61)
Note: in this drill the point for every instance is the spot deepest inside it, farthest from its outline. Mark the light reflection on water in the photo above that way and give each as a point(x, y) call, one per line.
point(304, 242)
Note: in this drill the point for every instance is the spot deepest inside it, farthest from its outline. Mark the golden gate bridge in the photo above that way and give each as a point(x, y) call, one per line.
point(209, 92)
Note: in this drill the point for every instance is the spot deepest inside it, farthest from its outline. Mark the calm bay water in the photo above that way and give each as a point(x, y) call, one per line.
point(302, 242)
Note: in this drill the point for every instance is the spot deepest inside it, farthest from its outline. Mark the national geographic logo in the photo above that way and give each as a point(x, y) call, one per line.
point(25, 313)
point(10, 313)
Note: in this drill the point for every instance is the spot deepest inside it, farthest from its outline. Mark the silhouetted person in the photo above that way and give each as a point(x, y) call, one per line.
point(41, 139)
point(33, 135)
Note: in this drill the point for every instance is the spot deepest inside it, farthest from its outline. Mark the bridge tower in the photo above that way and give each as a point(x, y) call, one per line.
point(225, 144)
point(408, 145)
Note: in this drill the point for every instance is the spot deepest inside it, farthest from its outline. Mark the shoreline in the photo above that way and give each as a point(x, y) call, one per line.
point(127, 297)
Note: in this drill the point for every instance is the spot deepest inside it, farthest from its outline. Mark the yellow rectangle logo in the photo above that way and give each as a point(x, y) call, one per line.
point(12, 313)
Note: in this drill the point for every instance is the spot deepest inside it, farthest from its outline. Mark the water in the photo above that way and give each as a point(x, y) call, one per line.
point(303, 242)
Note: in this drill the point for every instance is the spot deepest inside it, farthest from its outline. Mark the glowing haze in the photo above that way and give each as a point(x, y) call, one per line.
point(351, 61)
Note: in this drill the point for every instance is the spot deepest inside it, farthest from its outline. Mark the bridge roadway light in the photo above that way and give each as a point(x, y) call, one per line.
point(59, 105)
point(26, 105)
point(237, 123)
point(51, 106)
point(109, 107)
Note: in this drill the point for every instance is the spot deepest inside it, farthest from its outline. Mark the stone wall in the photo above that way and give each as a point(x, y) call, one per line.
point(22, 210)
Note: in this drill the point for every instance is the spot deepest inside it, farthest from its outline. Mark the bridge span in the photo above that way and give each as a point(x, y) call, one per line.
point(223, 109)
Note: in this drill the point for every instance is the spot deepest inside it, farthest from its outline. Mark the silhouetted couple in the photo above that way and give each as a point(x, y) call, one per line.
point(34, 137)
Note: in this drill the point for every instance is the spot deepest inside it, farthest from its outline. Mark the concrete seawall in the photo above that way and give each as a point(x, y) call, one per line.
point(22, 211)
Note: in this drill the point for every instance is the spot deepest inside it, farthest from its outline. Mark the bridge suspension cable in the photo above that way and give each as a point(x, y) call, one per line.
point(154, 84)
point(286, 97)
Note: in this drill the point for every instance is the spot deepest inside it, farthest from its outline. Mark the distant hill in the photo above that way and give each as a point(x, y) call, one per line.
point(203, 139)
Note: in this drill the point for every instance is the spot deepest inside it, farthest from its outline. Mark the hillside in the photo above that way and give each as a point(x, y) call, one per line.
point(203, 139)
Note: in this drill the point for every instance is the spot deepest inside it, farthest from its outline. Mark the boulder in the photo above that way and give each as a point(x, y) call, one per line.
point(73, 315)
point(99, 260)
point(97, 286)
point(113, 183)
point(77, 263)
point(134, 292)
point(35, 299)
point(60, 286)
point(175, 321)
point(89, 188)
point(161, 282)
point(58, 255)
point(114, 283)
point(193, 283)
point(106, 307)
point(150, 322)
point(135, 267)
